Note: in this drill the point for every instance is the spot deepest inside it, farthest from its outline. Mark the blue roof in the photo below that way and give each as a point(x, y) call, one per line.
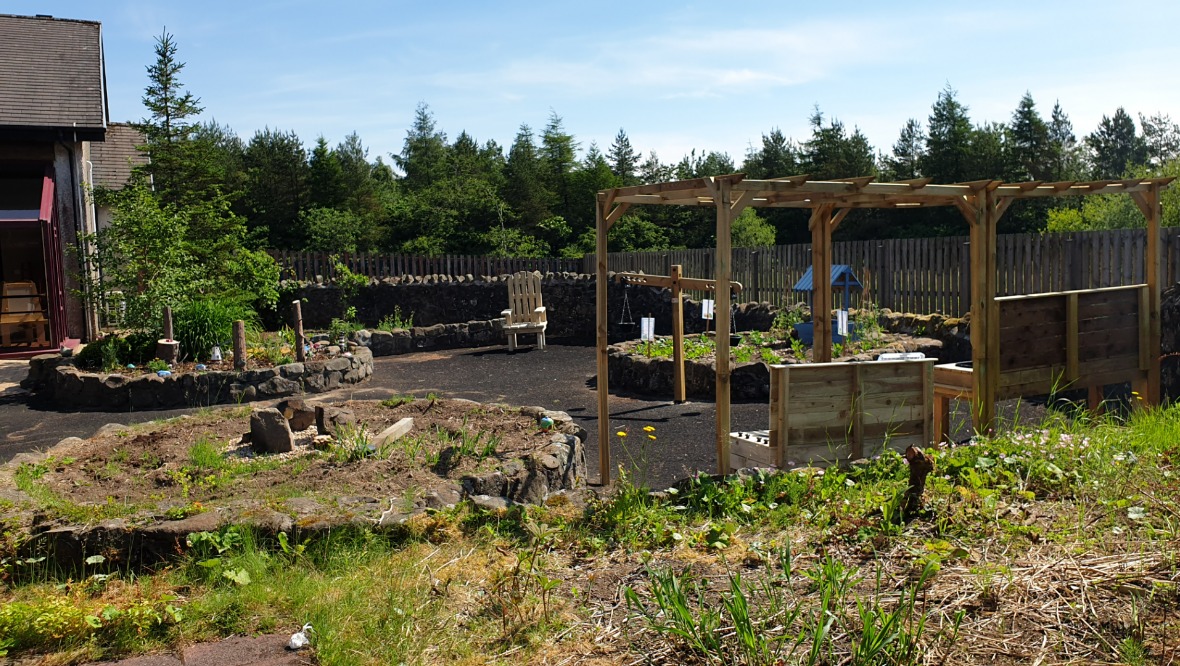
point(842, 275)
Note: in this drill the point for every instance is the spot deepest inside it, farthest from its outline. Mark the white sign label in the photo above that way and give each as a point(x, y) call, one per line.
point(647, 328)
point(707, 308)
point(842, 322)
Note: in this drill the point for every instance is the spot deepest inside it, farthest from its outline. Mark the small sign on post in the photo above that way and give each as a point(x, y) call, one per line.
point(842, 322)
point(647, 329)
point(707, 308)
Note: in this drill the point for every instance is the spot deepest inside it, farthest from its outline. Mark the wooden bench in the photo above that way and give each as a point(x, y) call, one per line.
point(526, 312)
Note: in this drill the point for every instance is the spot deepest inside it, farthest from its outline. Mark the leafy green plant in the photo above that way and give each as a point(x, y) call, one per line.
point(272, 348)
point(395, 320)
point(350, 283)
point(156, 365)
point(787, 317)
point(346, 326)
point(201, 324)
point(113, 352)
point(798, 349)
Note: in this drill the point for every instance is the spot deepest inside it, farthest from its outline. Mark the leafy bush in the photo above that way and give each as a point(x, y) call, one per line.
point(114, 351)
point(203, 323)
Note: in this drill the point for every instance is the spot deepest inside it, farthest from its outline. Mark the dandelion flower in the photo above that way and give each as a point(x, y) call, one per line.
point(621, 433)
point(652, 437)
point(649, 428)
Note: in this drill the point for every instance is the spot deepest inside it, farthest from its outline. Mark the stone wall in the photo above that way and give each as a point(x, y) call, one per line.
point(748, 382)
point(56, 378)
point(569, 300)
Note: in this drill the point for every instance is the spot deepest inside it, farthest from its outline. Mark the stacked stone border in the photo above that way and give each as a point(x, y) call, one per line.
point(553, 474)
point(56, 378)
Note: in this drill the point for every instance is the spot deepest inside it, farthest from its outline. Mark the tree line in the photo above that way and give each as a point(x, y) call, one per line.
point(536, 197)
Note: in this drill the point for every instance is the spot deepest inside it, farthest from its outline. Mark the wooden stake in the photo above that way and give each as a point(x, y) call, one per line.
point(300, 339)
point(168, 323)
point(239, 345)
point(678, 390)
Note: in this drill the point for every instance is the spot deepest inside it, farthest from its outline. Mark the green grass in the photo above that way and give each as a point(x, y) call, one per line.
point(1078, 518)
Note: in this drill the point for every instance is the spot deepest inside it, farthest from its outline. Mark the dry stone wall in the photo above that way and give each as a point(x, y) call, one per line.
point(55, 378)
point(476, 302)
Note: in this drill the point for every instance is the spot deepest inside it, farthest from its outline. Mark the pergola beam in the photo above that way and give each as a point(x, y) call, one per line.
point(981, 202)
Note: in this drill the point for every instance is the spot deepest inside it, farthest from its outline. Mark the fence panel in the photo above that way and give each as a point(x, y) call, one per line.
point(929, 274)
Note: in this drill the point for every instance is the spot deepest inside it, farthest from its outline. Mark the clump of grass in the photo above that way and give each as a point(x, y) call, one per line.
point(395, 401)
point(202, 324)
point(205, 455)
point(396, 320)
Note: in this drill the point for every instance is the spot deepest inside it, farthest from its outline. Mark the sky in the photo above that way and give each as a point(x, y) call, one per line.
point(676, 76)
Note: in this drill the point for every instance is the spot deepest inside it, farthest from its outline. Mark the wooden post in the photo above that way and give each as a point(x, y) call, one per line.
point(300, 338)
point(1152, 275)
point(981, 299)
point(601, 231)
point(678, 391)
point(168, 349)
point(821, 283)
point(723, 270)
point(240, 345)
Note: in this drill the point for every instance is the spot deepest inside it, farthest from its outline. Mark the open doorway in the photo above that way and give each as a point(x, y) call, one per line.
point(28, 262)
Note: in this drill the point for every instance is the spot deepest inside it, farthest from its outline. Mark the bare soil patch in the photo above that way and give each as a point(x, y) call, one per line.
point(200, 459)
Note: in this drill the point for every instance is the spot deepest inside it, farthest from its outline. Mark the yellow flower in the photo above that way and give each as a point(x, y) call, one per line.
point(649, 428)
point(621, 433)
point(651, 436)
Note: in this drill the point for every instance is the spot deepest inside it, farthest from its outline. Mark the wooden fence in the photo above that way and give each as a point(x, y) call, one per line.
point(927, 275)
point(307, 265)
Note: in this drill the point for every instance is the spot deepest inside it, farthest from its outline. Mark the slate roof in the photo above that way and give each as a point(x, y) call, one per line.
point(114, 158)
point(52, 75)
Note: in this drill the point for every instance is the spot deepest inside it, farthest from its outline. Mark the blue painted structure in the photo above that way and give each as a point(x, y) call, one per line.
point(842, 277)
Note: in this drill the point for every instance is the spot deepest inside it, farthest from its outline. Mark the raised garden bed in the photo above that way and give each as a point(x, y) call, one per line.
point(135, 492)
point(57, 378)
point(647, 368)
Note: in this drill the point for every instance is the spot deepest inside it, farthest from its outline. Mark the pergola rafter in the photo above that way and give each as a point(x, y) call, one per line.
point(982, 203)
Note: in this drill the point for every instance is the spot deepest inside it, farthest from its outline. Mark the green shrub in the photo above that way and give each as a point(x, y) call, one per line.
point(203, 323)
point(114, 352)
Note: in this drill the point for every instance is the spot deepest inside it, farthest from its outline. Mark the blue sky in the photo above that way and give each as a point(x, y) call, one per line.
point(675, 75)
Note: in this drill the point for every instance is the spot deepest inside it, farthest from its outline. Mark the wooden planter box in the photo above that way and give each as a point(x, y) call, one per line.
point(825, 413)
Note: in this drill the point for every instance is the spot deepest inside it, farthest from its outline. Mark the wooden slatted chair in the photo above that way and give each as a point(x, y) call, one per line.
point(20, 309)
point(525, 313)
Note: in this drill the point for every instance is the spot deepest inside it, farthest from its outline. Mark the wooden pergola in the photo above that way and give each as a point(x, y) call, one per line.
point(983, 203)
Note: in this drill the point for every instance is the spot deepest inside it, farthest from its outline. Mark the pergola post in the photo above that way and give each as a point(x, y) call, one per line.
point(601, 231)
point(723, 275)
point(1149, 204)
point(821, 282)
point(979, 211)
